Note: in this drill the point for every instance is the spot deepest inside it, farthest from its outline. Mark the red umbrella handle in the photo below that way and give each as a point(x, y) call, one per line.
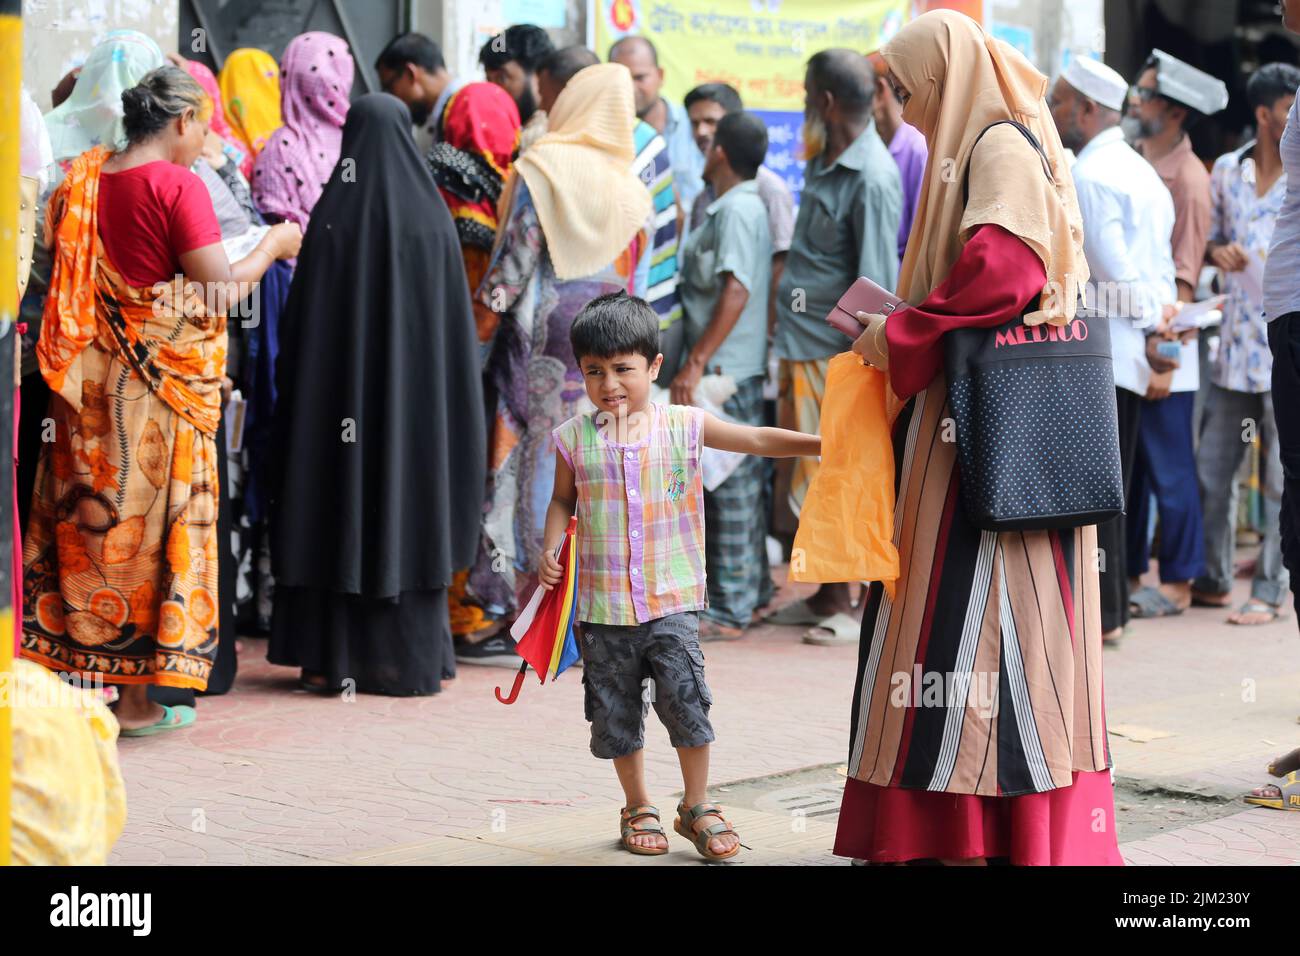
point(514, 691)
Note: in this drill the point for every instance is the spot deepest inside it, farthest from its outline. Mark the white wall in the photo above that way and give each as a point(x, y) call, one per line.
point(58, 34)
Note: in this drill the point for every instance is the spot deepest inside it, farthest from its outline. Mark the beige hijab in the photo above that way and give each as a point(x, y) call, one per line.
point(961, 81)
point(589, 202)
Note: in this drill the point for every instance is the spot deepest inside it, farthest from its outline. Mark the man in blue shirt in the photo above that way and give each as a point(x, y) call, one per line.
point(726, 276)
point(639, 56)
point(849, 213)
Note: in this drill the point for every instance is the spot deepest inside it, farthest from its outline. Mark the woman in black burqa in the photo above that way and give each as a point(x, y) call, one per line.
point(379, 434)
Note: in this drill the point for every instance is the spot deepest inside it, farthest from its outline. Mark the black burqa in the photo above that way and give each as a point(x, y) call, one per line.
point(380, 439)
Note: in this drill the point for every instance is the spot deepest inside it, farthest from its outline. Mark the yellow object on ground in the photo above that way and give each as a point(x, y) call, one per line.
point(69, 801)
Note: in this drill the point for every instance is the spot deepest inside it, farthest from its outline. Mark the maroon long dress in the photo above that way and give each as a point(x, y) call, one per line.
point(1017, 615)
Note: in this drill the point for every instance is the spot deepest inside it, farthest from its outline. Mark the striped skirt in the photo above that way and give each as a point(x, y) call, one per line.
point(984, 675)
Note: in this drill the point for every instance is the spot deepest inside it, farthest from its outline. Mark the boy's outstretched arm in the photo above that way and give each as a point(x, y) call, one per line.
point(768, 442)
point(564, 496)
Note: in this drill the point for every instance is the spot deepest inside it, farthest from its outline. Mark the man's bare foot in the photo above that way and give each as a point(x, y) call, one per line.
point(1112, 637)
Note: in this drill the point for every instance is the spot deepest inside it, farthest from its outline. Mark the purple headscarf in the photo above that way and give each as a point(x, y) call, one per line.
point(315, 80)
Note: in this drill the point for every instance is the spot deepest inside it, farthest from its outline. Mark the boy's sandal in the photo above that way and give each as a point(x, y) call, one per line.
point(1284, 797)
point(630, 827)
point(685, 826)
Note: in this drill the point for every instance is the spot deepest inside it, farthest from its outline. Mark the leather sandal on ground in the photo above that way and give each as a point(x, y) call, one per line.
point(685, 826)
point(1287, 796)
point(630, 826)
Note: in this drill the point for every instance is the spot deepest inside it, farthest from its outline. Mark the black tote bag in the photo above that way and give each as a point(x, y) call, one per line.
point(1036, 424)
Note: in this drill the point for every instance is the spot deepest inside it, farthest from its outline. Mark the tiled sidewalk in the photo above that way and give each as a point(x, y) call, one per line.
point(271, 774)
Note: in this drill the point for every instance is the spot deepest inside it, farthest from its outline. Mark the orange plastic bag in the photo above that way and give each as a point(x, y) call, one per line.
point(846, 525)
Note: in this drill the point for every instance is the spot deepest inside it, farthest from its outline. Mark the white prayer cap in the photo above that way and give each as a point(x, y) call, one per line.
point(1185, 84)
point(1096, 81)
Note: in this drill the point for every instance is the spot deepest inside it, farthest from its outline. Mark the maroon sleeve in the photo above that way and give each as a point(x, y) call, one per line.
point(193, 220)
point(993, 279)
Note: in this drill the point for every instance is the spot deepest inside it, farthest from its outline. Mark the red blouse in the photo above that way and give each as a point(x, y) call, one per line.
point(993, 279)
point(150, 216)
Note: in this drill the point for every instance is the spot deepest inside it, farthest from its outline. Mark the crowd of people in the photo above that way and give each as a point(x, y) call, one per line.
point(338, 369)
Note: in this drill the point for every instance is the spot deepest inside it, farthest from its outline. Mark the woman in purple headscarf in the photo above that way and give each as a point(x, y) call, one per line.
point(315, 80)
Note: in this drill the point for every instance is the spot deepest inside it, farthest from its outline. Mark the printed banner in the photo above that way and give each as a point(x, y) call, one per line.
point(760, 47)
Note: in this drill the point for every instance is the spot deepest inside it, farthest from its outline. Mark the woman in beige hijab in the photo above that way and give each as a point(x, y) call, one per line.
point(573, 220)
point(977, 729)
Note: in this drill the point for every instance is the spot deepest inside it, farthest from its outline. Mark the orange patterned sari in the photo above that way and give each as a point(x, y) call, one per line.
point(120, 556)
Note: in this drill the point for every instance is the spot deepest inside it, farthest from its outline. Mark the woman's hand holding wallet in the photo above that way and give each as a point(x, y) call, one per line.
point(871, 344)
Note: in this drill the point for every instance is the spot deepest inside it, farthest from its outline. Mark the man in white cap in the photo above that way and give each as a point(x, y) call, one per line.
point(1128, 217)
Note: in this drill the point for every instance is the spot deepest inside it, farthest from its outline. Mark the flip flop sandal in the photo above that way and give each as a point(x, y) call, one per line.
point(1150, 602)
point(1256, 606)
point(1285, 764)
point(843, 628)
point(797, 612)
point(1289, 798)
point(185, 716)
point(685, 826)
point(629, 827)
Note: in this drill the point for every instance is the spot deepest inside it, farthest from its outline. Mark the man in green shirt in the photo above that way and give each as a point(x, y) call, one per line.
point(726, 275)
point(849, 212)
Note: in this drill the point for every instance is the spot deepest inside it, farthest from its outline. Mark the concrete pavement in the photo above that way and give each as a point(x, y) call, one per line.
point(272, 774)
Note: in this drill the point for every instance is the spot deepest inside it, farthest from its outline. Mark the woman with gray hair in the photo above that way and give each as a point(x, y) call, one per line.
point(120, 558)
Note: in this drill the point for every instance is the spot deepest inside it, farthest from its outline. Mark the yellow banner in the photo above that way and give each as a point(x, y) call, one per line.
point(760, 47)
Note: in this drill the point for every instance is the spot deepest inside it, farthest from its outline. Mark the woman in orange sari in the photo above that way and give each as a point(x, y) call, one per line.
point(120, 557)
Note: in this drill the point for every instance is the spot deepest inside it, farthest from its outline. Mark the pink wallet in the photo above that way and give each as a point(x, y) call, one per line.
point(863, 296)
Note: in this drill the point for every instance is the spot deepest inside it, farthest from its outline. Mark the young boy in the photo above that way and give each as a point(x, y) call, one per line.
point(632, 470)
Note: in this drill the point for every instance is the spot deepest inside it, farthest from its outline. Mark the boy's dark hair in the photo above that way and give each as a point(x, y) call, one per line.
point(564, 64)
point(723, 94)
point(743, 137)
point(524, 44)
point(411, 48)
point(1270, 83)
point(615, 324)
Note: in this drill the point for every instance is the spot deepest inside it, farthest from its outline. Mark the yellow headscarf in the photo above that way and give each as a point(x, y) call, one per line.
point(250, 93)
point(589, 202)
point(960, 81)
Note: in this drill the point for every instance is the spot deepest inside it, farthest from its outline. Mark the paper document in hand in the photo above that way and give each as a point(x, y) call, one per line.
point(1252, 277)
point(1199, 315)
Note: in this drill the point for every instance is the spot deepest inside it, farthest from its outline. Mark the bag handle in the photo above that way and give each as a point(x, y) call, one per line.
point(1025, 131)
